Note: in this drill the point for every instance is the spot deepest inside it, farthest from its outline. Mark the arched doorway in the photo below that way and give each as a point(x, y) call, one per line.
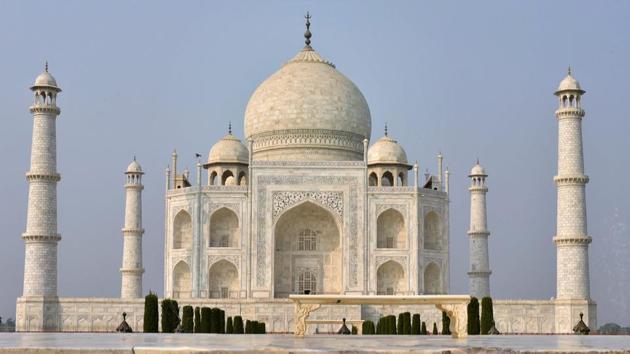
point(224, 230)
point(182, 231)
point(223, 280)
point(182, 281)
point(390, 230)
point(390, 279)
point(307, 254)
point(432, 281)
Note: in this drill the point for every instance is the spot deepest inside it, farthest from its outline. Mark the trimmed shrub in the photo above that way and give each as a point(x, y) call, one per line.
point(446, 323)
point(248, 327)
point(392, 324)
point(487, 316)
point(187, 319)
point(170, 315)
point(214, 320)
point(415, 324)
point(259, 327)
point(379, 325)
point(424, 329)
point(435, 328)
point(473, 316)
point(221, 321)
point(229, 327)
point(238, 325)
point(407, 323)
point(401, 325)
point(206, 316)
point(197, 328)
point(151, 316)
point(354, 330)
point(367, 328)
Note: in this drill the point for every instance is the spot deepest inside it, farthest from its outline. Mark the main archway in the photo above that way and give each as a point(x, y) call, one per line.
point(307, 252)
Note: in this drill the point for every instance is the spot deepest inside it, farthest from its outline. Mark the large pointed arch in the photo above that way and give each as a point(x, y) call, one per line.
point(390, 230)
point(432, 279)
point(391, 279)
point(224, 228)
point(223, 280)
point(307, 251)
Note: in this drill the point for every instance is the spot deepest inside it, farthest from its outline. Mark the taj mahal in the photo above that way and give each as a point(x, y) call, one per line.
point(308, 202)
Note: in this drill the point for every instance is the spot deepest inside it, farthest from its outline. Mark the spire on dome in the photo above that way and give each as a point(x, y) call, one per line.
point(230, 128)
point(385, 129)
point(308, 34)
point(46, 66)
point(569, 70)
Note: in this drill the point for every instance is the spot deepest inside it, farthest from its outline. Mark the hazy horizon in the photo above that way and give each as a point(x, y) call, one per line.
point(472, 80)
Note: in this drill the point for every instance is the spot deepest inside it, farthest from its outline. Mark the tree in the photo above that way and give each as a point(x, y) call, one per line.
point(229, 327)
point(446, 323)
point(197, 320)
point(435, 331)
point(238, 325)
point(379, 325)
point(392, 324)
point(424, 328)
point(401, 324)
point(355, 330)
point(407, 323)
point(205, 319)
point(187, 319)
point(473, 316)
point(170, 315)
point(214, 320)
point(415, 324)
point(248, 327)
point(151, 316)
point(367, 328)
point(487, 316)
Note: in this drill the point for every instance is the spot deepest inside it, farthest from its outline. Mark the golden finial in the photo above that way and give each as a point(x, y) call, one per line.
point(308, 34)
point(46, 66)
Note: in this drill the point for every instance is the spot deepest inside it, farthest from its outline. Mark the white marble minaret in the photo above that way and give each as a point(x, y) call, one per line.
point(41, 237)
point(132, 270)
point(571, 237)
point(479, 271)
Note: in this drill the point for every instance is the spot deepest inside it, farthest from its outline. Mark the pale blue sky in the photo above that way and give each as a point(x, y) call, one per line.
point(472, 79)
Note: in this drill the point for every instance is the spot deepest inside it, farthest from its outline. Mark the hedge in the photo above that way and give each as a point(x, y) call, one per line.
point(473, 316)
point(197, 328)
point(446, 323)
point(229, 327)
point(367, 328)
point(487, 316)
point(187, 319)
point(238, 325)
point(205, 319)
point(151, 316)
point(415, 324)
point(170, 315)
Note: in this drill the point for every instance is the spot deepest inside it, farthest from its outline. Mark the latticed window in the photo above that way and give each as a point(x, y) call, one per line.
point(225, 293)
point(307, 240)
point(390, 291)
point(307, 281)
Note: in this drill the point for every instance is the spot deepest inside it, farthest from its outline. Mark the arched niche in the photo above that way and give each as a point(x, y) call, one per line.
point(387, 180)
point(182, 281)
point(224, 228)
point(307, 247)
point(182, 231)
point(223, 280)
point(390, 279)
point(390, 230)
point(373, 180)
point(432, 279)
point(432, 231)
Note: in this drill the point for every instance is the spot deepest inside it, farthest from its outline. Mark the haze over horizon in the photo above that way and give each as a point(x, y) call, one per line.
point(469, 80)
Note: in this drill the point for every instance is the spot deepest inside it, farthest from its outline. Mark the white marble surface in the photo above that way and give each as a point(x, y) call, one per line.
point(203, 343)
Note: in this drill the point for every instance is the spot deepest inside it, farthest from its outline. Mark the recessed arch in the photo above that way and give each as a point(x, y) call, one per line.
point(182, 281)
point(432, 279)
point(432, 231)
point(224, 228)
point(214, 178)
point(242, 179)
point(224, 177)
point(390, 230)
point(390, 279)
point(223, 280)
point(307, 239)
point(182, 230)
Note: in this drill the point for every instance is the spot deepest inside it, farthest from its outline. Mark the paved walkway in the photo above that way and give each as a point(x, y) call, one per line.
point(140, 343)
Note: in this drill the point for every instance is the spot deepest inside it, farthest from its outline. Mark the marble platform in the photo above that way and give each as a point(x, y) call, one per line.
point(60, 343)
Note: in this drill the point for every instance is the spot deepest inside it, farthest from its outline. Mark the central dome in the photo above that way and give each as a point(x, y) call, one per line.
point(307, 110)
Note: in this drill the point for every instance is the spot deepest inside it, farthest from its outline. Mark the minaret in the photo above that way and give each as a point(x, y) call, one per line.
point(571, 237)
point(132, 270)
point(41, 237)
point(479, 272)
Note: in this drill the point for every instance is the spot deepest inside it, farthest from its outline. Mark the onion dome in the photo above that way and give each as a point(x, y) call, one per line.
point(228, 150)
point(569, 83)
point(477, 170)
point(45, 79)
point(307, 110)
point(134, 167)
point(387, 151)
